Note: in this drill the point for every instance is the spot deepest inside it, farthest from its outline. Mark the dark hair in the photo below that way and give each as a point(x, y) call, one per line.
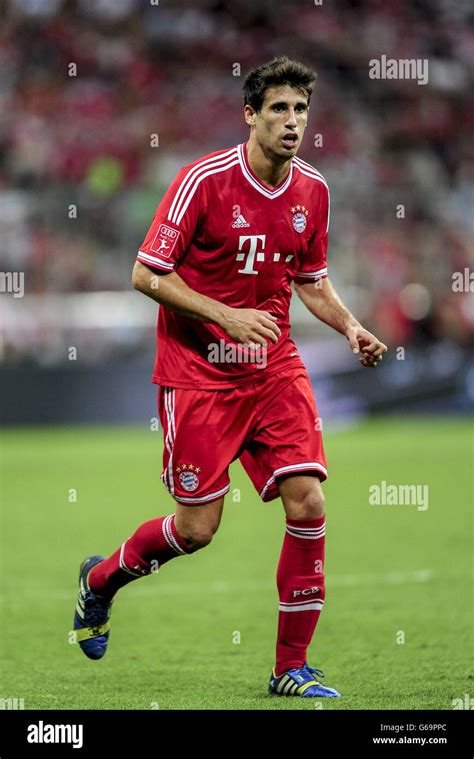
point(274, 73)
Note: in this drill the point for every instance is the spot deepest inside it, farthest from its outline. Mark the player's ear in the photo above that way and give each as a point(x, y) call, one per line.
point(249, 115)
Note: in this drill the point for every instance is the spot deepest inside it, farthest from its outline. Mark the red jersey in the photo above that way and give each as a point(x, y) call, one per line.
point(232, 238)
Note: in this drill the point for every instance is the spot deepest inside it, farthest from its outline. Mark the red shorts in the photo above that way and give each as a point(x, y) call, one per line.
point(271, 425)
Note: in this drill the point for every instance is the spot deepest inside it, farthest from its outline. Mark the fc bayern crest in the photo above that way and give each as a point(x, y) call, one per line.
point(188, 477)
point(299, 218)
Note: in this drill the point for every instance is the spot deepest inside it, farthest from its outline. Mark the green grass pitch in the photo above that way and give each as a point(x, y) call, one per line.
point(394, 573)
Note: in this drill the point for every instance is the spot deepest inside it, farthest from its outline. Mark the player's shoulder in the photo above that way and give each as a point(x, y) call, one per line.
point(311, 176)
point(215, 162)
point(190, 180)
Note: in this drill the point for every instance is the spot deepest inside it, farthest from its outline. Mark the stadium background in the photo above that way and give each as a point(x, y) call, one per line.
point(80, 177)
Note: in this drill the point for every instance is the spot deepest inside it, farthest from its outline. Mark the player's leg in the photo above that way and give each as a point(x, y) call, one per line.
point(198, 524)
point(151, 546)
point(301, 587)
point(300, 574)
point(155, 543)
point(202, 433)
point(286, 458)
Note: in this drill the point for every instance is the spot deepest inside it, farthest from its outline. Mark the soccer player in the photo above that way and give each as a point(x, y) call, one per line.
point(231, 234)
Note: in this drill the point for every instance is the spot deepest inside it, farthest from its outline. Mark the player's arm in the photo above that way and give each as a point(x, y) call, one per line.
point(245, 325)
point(321, 299)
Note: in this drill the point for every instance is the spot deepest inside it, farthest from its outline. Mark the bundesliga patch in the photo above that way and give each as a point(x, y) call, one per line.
point(188, 477)
point(299, 218)
point(165, 240)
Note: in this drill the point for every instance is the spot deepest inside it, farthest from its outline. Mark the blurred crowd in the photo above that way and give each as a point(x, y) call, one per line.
point(101, 102)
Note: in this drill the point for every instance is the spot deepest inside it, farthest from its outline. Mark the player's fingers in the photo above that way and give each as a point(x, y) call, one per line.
point(370, 362)
point(256, 339)
point(353, 342)
point(380, 350)
point(267, 324)
point(377, 356)
point(267, 332)
point(269, 315)
point(371, 347)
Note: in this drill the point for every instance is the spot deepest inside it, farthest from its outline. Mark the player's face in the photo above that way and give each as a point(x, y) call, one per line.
point(280, 124)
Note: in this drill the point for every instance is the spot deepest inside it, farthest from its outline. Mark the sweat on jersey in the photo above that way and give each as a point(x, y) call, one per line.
point(232, 238)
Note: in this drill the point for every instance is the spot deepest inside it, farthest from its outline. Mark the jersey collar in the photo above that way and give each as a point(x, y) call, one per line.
point(255, 181)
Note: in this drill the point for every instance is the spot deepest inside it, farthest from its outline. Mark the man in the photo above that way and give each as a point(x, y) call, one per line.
point(233, 231)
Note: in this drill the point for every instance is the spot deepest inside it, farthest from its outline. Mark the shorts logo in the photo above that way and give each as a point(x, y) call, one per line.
point(299, 218)
point(165, 240)
point(188, 478)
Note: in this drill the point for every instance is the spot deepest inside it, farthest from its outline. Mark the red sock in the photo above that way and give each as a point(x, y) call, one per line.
point(152, 545)
point(300, 581)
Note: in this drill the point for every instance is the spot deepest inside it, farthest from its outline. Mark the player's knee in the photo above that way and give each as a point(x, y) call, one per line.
point(198, 537)
point(197, 525)
point(311, 503)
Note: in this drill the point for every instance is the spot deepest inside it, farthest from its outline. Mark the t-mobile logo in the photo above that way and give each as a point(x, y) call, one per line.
point(252, 253)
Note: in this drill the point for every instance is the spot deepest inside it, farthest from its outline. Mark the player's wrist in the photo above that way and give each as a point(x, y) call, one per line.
point(222, 315)
point(350, 325)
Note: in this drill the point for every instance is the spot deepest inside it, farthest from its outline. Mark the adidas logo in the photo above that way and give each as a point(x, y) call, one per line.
point(240, 222)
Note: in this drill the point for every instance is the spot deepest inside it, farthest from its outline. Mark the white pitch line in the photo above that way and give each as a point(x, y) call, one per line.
point(391, 578)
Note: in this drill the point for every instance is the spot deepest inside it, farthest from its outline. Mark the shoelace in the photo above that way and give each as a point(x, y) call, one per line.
point(314, 671)
point(96, 610)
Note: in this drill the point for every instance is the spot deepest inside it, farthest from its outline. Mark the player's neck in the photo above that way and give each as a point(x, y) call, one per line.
point(269, 172)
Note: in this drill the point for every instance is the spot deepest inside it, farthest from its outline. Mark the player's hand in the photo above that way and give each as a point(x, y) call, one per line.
point(364, 342)
point(249, 325)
